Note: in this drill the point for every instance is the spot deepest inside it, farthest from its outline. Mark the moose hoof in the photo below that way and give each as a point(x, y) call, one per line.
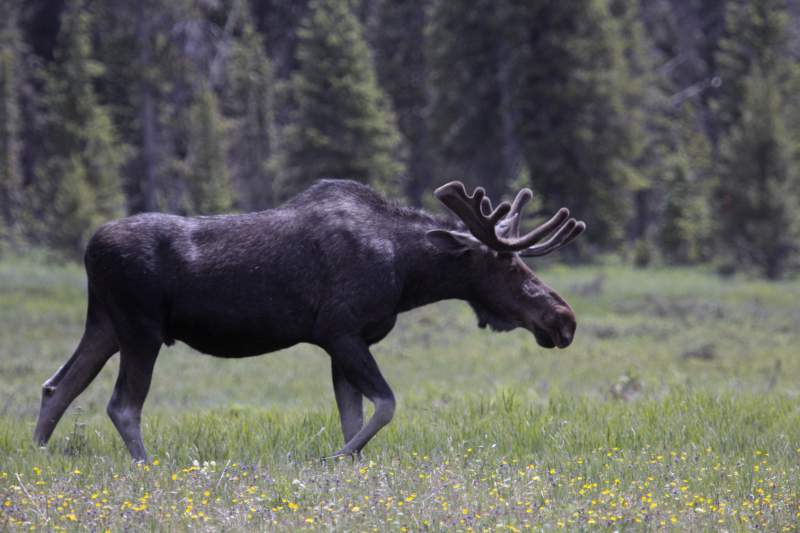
point(341, 454)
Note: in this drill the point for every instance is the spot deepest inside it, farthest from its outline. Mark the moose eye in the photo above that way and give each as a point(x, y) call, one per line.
point(506, 258)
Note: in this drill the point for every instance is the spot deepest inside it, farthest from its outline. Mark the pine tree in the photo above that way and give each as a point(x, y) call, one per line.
point(155, 53)
point(755, 35)
point(78, 183)
point(342, 125)
point(686, 35)
point(682, 185)
point(469, 122)
point(685, 226)
point(399, 43)
point(644, 100)
point(10, 173)
point(278, 22)
point(250, 100)
point(758, 194)
point(680, 39)
point(759, 191)
point(668, 155)
point(569, 97)
point(116, 49)
point(209, 187)
point(181, 116)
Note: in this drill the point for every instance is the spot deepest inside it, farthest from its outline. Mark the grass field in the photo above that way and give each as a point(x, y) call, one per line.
point(675, 409)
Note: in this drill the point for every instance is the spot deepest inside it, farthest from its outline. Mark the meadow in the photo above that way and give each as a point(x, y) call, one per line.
point(675, 409)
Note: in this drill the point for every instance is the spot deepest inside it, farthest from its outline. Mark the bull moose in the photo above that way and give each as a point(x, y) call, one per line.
point(332, 267)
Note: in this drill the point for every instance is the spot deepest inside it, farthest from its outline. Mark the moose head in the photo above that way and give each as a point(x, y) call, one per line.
point(506, 293)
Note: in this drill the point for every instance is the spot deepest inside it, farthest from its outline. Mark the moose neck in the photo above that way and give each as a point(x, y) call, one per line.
point(430, 275)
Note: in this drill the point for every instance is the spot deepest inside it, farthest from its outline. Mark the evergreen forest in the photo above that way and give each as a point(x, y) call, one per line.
point(672, 127)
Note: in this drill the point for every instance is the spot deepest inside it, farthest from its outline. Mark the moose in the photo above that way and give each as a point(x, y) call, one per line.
point(332, 267)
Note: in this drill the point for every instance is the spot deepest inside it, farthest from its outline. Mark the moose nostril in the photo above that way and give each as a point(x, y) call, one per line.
point(566, 335)
point(566, 325)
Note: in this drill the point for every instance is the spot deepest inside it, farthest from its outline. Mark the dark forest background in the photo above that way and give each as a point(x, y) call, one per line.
point(671, 126)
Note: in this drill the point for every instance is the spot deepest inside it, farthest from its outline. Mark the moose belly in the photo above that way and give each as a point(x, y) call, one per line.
point(222, 336)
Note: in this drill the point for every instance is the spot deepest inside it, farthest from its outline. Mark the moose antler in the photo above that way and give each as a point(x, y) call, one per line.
point(499, 228)
point(509, 226)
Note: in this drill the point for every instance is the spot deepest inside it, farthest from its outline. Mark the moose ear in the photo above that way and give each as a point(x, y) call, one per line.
point(452, 242)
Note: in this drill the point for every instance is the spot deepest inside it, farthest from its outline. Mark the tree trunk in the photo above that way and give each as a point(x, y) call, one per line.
point(146, 112)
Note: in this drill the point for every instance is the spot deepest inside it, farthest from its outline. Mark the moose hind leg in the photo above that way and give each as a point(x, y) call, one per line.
point(97, 345)
point(137, 361)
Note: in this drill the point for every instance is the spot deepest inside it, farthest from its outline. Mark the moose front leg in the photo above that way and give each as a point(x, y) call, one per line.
point(355, 362)
point(349, 401)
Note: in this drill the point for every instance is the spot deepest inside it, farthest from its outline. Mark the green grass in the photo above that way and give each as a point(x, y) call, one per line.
point(675, 409)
